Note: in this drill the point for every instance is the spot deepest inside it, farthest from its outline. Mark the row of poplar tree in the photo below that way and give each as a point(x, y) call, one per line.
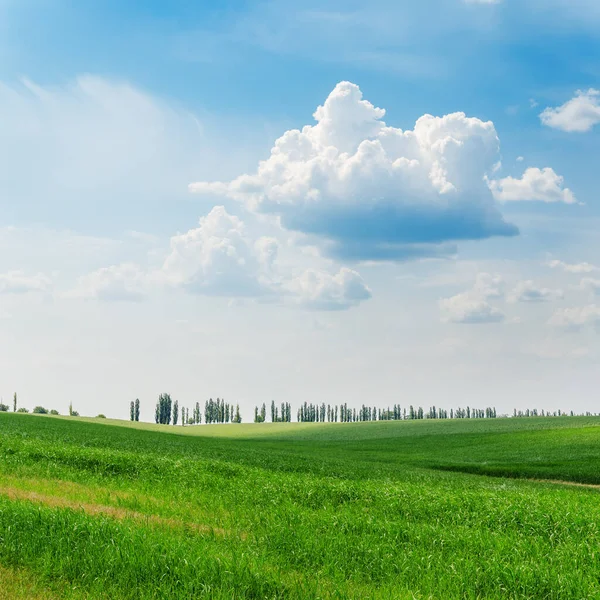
point(326, 413)
point(218, 411)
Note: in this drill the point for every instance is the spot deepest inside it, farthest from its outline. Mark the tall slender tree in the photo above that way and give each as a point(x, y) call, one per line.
point(238, 417)
point(137, 409)
point(132, 411)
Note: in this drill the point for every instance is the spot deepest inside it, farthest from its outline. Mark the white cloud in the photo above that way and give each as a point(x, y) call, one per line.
point(469, 308)
point(577, 318)
point(117, 283)
point(17, 282)
point(590, 284)
point(579, 114)
point(572, 268)
point(528, 291)
point(472, 306)
point(371, 191)
point(489, 286)
point(322, 291)
point(218, 258)
point(541, 185)
point(520, 158)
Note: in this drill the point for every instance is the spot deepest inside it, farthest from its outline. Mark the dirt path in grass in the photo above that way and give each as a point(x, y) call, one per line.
point(591, 486)
point(109, 511)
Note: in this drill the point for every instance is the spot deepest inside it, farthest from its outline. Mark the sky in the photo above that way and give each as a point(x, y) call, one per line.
point(380, 203)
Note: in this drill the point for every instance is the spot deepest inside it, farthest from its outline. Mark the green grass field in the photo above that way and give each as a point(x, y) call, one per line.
point(420, 509)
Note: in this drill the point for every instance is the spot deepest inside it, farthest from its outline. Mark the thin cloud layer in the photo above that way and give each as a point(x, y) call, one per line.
point(126, 282)
point(589, 284)
point(577, 318)
point(95, 144)
point(18, 282)
point(489, 286)
point(467, 308)
point(583, 267)
point(529, 291)
point(321, 291)
point(472, 306)
point(370, 191)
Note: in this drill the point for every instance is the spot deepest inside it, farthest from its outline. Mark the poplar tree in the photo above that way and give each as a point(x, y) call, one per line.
point(163, 409)
point(132, 411)
point(15, 402)
point(137, 409)
point(175, 412)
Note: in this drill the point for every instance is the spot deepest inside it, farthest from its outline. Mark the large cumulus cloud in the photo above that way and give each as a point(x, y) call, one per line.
point(220, 258)
point(371, 191)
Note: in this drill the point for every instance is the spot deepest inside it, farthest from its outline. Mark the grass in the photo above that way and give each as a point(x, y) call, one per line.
point(428, 509)
point(17, 585)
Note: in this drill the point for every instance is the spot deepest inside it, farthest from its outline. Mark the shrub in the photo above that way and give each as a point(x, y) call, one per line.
point(101, 416)
point(3, 407)
point(40, 410)
point(54, 412)
point(22, 410)
point(74, 413)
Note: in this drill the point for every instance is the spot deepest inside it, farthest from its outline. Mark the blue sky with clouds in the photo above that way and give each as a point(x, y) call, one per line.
point(336, 201)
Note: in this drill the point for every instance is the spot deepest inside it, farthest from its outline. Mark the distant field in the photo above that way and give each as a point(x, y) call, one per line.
point(423, 509)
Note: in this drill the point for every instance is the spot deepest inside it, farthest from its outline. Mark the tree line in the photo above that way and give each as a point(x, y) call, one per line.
point(342, 413)
point(548, 413)
point(168, 412)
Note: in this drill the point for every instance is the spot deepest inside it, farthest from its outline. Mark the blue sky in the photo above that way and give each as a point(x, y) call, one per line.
point(428, 235)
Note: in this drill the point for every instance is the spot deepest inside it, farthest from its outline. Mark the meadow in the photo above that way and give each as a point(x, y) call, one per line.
point(484, 508)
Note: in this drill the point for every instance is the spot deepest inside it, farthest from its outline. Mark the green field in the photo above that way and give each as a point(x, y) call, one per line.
point(414, 509)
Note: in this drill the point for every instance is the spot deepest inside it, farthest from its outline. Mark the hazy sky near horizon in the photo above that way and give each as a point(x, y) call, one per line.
point(326, 201)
